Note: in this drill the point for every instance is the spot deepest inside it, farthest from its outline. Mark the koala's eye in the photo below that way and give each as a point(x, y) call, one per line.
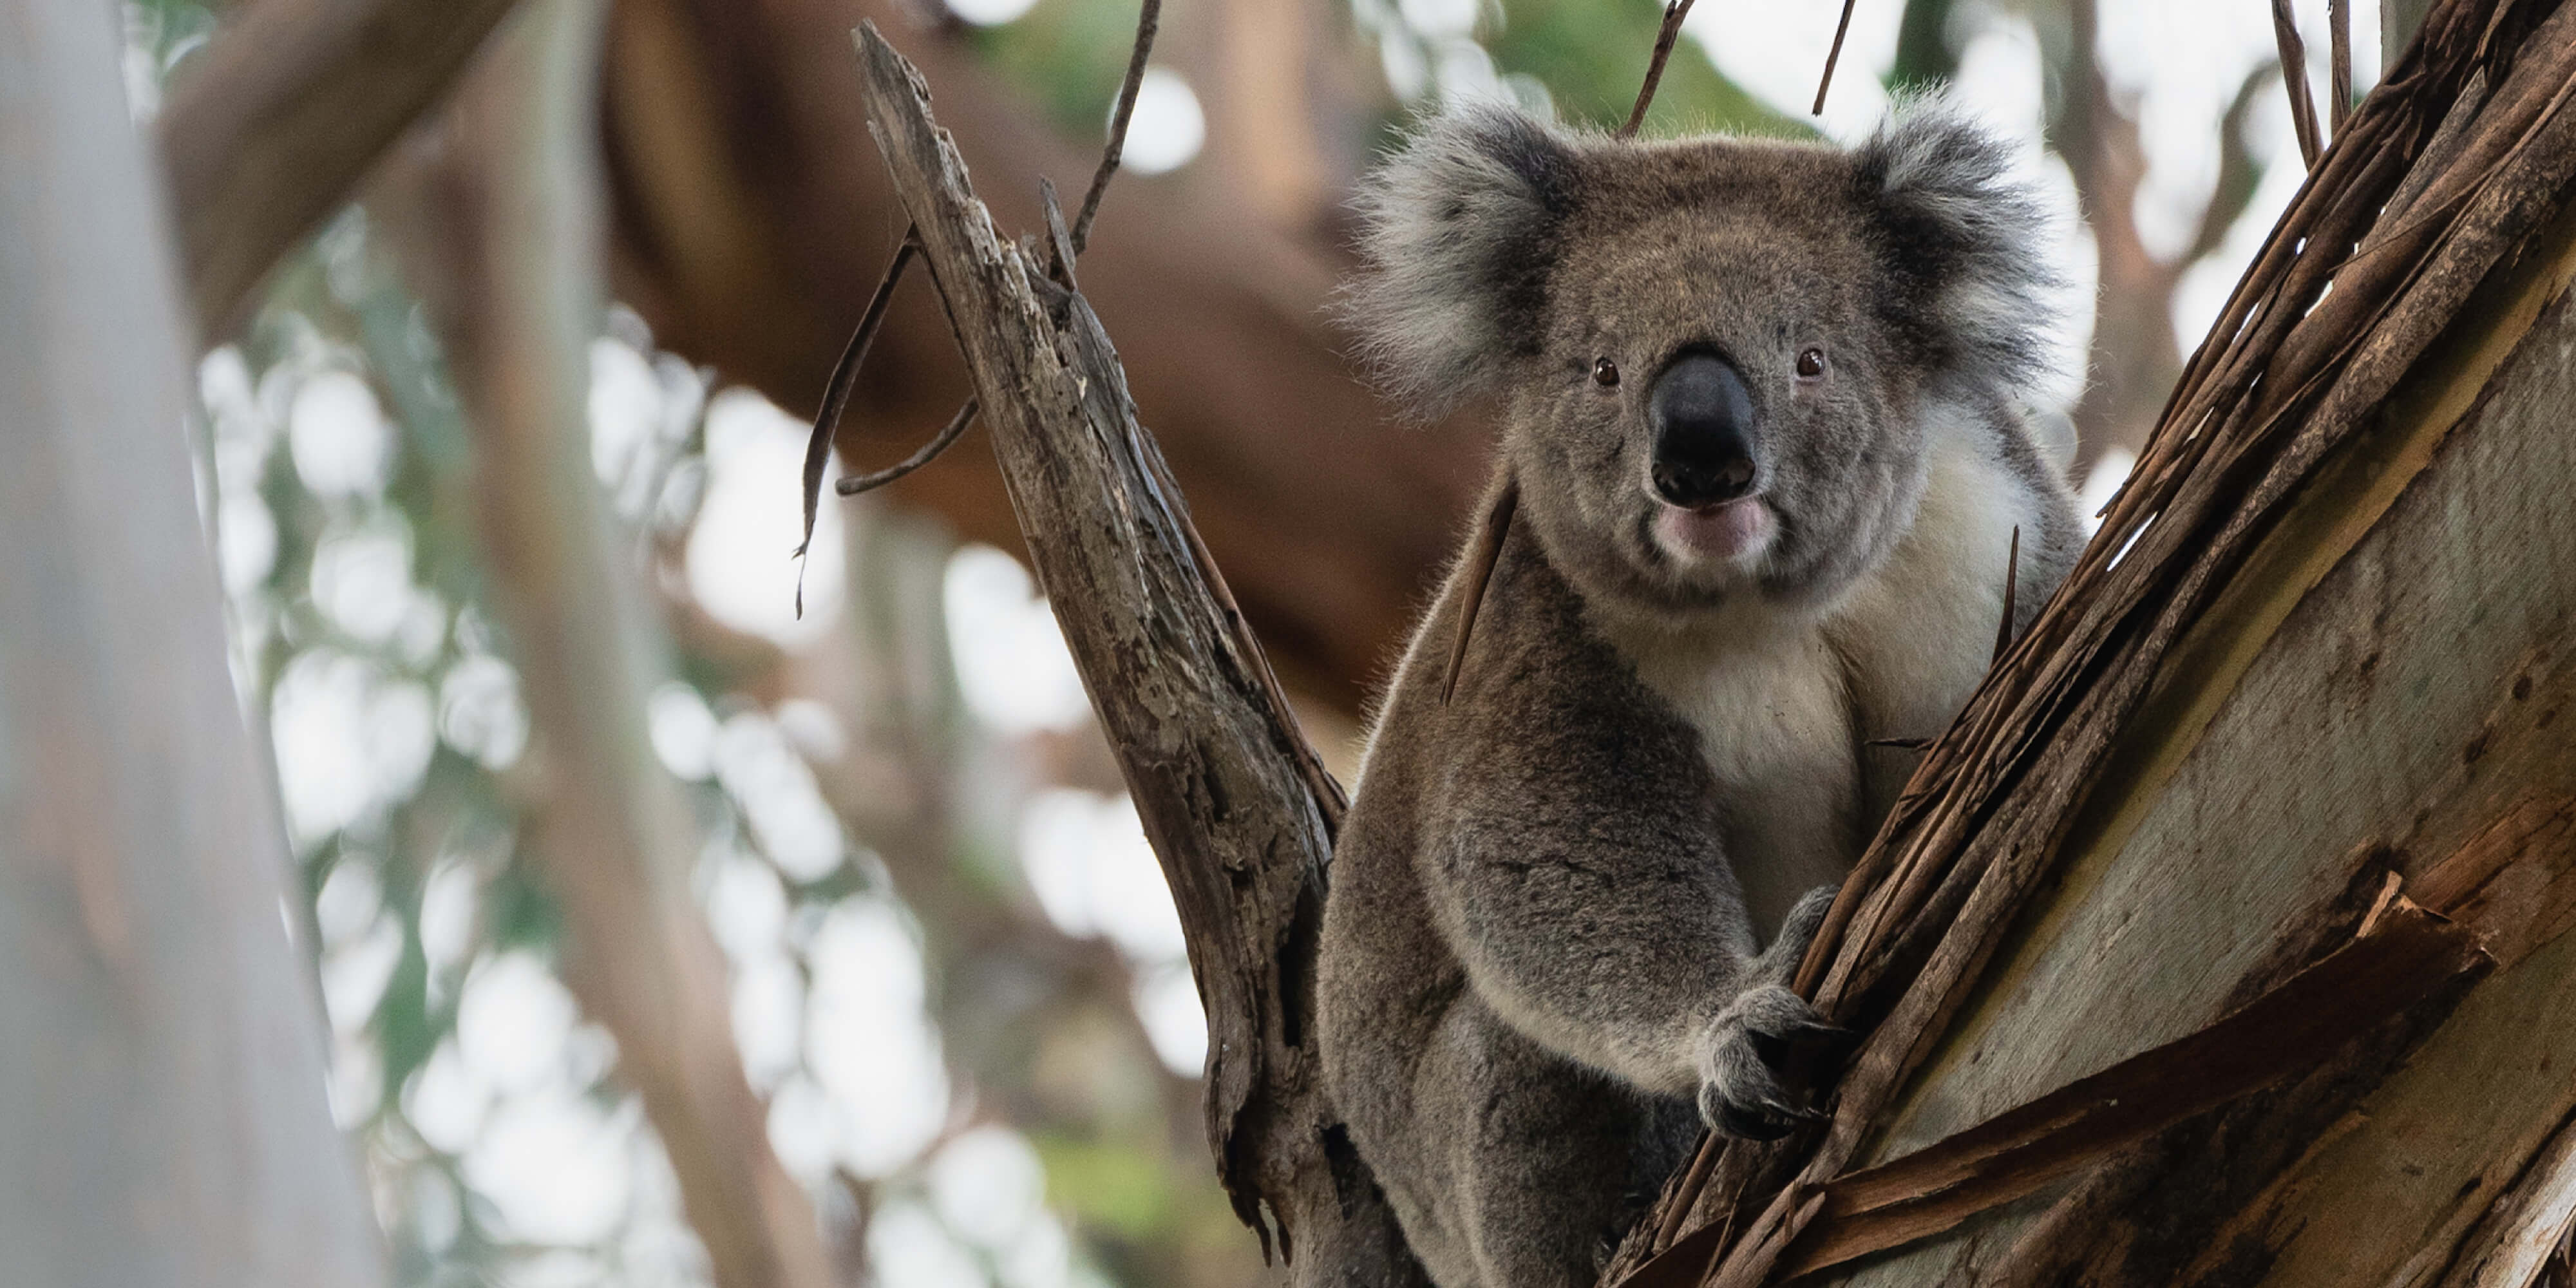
point(1605, 373)
point(1811, 363)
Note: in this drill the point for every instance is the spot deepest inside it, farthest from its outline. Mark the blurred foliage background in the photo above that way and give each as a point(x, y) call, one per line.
point(955, 980)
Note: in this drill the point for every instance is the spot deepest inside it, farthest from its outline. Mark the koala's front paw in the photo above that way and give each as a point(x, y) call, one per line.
point(1744, 1088)
point(1745, 1084)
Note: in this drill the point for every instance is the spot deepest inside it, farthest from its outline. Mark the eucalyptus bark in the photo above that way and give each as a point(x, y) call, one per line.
point(161, 1059)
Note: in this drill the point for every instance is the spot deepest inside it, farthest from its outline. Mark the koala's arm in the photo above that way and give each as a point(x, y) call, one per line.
point(1594, 911)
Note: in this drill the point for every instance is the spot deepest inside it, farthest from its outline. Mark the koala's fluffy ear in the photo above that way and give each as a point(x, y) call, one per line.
point(1455, 231)
point(1964, 242)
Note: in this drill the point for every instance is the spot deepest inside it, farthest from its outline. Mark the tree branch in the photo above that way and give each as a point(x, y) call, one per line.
point(1238, 808)
point(611, 835)
point(286, 111)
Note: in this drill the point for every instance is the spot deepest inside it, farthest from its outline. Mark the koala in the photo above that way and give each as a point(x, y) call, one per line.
point(1762, 406)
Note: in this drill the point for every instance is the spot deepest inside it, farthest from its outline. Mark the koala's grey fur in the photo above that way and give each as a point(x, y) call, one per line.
point(1544, 951)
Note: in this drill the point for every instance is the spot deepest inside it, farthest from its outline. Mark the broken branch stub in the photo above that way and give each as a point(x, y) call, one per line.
point(1240, 811)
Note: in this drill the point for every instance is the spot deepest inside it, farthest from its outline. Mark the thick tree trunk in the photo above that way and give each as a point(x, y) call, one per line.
point(161, 1085)
point(2382, 693)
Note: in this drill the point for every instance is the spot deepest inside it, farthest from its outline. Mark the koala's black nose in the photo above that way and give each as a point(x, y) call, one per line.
point(1702, 416)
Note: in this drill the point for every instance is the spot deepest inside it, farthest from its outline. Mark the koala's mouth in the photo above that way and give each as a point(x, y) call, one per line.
point(1733, 532)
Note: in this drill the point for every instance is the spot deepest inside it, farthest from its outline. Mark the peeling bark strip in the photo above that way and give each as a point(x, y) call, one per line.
point(2402, 956)
point(1239, 810)
point(2409, 957)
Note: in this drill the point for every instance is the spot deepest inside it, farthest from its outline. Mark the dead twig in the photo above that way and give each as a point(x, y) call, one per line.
point(1149, 20)
point(925, 454)
point(836, 395)
point(2012, 585)
point(1479, 567)
point(836, 391)
point(1674, 12)
point(1842, 27)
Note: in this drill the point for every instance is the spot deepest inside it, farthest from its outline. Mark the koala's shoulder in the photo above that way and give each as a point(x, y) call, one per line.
point(1540, 696)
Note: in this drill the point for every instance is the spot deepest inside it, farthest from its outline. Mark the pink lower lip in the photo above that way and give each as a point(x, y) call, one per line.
point(1715, 532)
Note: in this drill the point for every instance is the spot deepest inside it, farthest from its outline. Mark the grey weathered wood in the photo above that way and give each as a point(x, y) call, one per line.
point(1237, 807)
point(273, 126)
point(161, 1108)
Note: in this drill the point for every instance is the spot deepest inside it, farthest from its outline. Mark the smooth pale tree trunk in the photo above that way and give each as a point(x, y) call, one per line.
point(161, 1077)
point(2391, 688)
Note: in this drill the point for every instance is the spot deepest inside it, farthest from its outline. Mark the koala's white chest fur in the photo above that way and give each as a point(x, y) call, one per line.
point(1785, 705)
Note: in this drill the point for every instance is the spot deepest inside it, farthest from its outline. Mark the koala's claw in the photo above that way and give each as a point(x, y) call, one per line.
point(1742, 1091)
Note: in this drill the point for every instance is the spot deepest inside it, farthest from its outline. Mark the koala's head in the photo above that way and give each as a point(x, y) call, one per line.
point(1714, 356)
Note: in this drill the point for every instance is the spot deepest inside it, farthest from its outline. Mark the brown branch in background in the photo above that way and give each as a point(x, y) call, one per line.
point(2135, 355)
point(2339, 78)
point(2294, 78)
point(281, 117)
point(1842, 27)
point(2239, 174)
point(1671, 31)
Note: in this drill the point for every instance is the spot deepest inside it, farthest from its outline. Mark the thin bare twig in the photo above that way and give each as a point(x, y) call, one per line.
point(1674, 12)
point(845, 373)
point(1832, 56)
point(928, 452)
point(836, 394)
point(2294, 78)
point(1481, 559)
point(1148, 20)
